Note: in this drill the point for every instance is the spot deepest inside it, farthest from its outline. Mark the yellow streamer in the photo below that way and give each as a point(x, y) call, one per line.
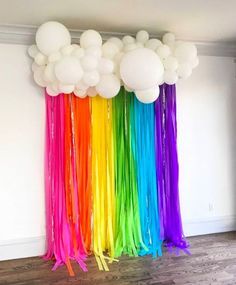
point(103, 181)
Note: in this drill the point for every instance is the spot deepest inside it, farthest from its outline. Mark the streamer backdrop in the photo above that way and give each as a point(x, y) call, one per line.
point(111, 178)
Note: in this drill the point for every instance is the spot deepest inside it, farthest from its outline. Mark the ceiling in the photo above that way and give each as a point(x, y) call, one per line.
point(197, 20)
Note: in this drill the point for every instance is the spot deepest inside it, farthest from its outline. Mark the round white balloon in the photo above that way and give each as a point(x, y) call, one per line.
point(90, 38)
point(78, 52)
point(66, 89)
point(141, 69)
point(81, 85)
point(80, 93)
point(89, 62)
point(56, 56)
point(153, 44)
point(68, 70)
point(184, 70)
point(168, 38)
point(185, 52)
point(170, 63)
point(33, 51)
point(148, 95)
point(130, 47)
point(105, 66)
point(94, 51)
point(170, 77)
point(163, 51)
point(142, 36)
point(91, 78)
point(52, 91)
point(108, 86)
point(116, 41)
point(40, 59)
point(109, 50)
point(128, 40)
point(49, 73)
point(51, 37)
point(39, 76)
point(67, 50)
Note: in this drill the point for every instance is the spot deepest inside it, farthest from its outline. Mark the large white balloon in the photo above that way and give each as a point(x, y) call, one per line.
point(185, 52)
point(51, 37)
point(149, 95)
point(68, 70)
point(90, 38)
point(141, 69)
point(91, 78)
point(108, 86)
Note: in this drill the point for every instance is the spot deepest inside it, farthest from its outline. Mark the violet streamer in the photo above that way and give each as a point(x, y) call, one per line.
point(168, 169)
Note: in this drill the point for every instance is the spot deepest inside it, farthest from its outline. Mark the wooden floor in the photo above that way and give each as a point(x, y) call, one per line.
point(212, 261)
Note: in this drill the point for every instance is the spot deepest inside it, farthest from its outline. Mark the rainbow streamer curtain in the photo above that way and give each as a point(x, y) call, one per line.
point(111, 178)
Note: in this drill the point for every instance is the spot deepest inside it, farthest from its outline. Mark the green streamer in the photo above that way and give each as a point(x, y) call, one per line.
point(128, 239)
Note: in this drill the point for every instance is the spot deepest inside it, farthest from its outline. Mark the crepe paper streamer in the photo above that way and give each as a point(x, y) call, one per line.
point(143, 145)
point(167, 168)
point(103, 182)
point(64, 238)
point(128, 238)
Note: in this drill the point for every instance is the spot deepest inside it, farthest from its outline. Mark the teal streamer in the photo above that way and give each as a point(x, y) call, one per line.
point(142, 121)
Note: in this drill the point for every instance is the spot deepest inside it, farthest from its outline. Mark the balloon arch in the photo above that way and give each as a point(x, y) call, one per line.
point(111, 163)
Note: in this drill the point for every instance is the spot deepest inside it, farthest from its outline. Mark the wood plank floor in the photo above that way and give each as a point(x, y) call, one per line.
point(212, 261)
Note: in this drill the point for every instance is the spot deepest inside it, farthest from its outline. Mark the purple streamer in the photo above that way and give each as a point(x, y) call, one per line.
point(168, 169)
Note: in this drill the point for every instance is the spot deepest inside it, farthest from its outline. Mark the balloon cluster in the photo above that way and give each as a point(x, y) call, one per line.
point(93, 67)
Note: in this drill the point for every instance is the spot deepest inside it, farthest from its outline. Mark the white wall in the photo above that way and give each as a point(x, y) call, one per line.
point(207, 151)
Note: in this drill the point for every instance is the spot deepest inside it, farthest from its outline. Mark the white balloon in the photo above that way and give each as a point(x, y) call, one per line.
point(117, 42)
point(78, 52)
point(40, 59)
point(80, 93)
point(90, 38)
point(139, 45)
point(170, 63)
point(108, 86)
point(34, 66)
point(91, 78)
point(149, 95)
point(52, 90)
point(89, 62)
point(56, 56)
point(105, 66)
point(51, 37)
point(127, 88)
point(184, 70)
point(130, 47)
point(109, 50)
point(185, 52)
point(141, 69)
point(94, 51)
point(170, 77)
point(168, 38)
point(153, 44)
point(49, 73)
point(67, 50)
point(128, 40)
point(163, 51)
point(142, 36)
point(66, 89)
point(33, 51)
point(92, 92)
point(195, 62)
point(38, 77)
point(81, 85)
point(68, 70)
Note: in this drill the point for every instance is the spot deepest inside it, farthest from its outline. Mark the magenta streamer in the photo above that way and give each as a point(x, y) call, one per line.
point(168, 169)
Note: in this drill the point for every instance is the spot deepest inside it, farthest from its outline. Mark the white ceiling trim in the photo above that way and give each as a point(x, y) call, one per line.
point(16, 34)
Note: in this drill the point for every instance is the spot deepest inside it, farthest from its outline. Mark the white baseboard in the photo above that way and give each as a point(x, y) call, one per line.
point(35, 246)
point(20, 248)
point(209, 225)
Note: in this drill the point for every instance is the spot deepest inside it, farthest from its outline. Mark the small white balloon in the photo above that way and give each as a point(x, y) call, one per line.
point(170, 77)
point(90, 38)
point(38, 77)
point(40, 59)
point(118, 42)
point(139, 45)
point(81, 85)
point(67, 50)
point(49, 73)
point(33, 51)
point(51, 37)
point(78, 52)
point(91, 78)
point(80, 93)
point(105, 66)
point(142, 36)
point(56, 56)
point(128, 40)
point(168, 38)
point(109, 50)
point(184, 70)
point(94, 51)
point(34, 66)
point(68, 70)
point(66, 89)
point(92, 92)
point(163, 51)
point(170, 63)
point(141, 69)
point(149, 95)
point(195, 62)
point(108, 86)
point(153, 44)
point(52, 90)
point(185, 52)
point(130, 47)
point(89, 62)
